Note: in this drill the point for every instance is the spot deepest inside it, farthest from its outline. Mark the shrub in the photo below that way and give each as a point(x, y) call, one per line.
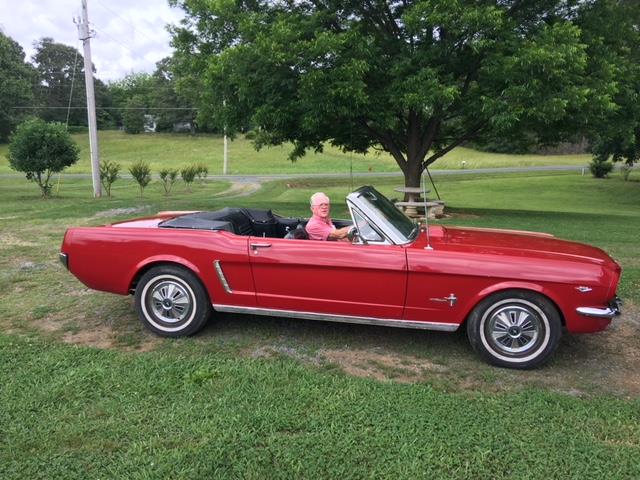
point(188, 175)
point(141, 173)
point(168, 178)
point(201, 171)
point(108, 174)
point(40, 149)
point(600, 167)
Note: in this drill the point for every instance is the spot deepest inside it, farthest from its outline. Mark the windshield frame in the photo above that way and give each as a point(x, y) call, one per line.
point(396, 227)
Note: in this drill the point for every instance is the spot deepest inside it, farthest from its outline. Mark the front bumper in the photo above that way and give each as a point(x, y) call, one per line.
point(613, 310)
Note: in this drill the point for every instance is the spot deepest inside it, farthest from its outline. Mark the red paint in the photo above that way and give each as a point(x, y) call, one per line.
point(381, 281)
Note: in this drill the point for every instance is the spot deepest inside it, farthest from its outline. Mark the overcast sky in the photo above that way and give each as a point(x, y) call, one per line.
point(130, 34)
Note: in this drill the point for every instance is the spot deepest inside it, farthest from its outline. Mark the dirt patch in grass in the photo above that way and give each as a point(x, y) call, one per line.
point(98, 337)
point(8, 240)
point(584, 365)
point(383, 366)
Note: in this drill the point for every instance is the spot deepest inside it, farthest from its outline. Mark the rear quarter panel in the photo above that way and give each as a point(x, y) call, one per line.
point(109, 258)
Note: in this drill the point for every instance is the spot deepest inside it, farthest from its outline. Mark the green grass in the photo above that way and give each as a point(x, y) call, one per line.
point(84, 413)
point(175, 150)
point(212, 407)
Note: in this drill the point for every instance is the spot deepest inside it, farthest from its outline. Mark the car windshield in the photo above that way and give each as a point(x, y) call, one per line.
point(388, 211)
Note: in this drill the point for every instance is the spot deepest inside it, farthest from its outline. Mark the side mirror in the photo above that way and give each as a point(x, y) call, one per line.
point(354, 236)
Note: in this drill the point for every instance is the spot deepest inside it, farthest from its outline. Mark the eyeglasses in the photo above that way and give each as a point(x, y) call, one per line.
point(322, 205)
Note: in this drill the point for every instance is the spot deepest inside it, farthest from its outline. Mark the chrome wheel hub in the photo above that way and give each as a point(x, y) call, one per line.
point(514, 329)
point(170, 301)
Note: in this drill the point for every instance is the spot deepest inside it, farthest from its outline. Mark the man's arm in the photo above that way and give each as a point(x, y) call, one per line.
point(339, 233)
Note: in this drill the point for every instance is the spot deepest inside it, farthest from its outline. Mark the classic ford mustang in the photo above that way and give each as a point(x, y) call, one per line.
point(513, 291)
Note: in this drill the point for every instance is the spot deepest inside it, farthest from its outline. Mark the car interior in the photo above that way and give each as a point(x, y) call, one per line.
point(246, 222)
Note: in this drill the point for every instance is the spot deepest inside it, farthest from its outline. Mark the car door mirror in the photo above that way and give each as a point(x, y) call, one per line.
point(354, 236)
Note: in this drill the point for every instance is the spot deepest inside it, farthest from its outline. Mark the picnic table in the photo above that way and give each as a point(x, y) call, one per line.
point(414, 206)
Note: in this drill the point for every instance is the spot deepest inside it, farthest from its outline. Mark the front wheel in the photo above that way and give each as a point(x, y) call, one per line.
point(172, 302)
point(515, 329)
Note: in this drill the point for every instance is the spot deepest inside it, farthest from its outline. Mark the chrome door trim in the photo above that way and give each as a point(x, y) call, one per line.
point(387, 322)
point(221, 277)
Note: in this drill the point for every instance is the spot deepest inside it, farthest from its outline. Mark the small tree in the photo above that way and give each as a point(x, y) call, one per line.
point(141, 173)
point(108, 174)
point(201, 171)
point(133, 117)
point(40, 149)
point(188, 175)
point(168, 178)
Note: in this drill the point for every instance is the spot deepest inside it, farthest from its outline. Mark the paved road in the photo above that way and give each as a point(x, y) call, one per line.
point(435, 172)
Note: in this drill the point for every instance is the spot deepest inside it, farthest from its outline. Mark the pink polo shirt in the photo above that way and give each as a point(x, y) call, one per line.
point(319, 228)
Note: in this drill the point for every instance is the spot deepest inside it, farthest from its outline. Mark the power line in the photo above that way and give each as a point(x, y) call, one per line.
point(126, 21)
point(104, 108)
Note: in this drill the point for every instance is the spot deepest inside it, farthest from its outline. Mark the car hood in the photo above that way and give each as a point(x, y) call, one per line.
point(522, 243)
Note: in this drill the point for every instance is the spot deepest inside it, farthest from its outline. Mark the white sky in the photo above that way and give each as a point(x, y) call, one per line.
point(130, 35)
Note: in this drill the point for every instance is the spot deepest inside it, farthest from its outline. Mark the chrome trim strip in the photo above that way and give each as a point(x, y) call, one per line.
point(387, 322)
point(64, 259)
point(221, 277)
point(598, 312)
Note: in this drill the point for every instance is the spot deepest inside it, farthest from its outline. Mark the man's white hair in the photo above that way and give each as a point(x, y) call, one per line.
point(316, 196)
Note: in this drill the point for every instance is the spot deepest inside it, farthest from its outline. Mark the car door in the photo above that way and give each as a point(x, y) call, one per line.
point(326, 277)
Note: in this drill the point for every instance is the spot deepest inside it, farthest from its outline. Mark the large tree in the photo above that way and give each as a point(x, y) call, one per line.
point(413, 77)
point(612, 31)
point(169, 106)
point(61, 75)
point(157, 93)
point(16, 85)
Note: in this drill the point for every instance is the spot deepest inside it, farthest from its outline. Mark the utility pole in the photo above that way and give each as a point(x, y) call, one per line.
point(225, 156)
point(84, 34)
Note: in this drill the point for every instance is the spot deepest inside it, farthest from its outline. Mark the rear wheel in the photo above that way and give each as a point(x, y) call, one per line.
point(172, 302)
point(515, 329)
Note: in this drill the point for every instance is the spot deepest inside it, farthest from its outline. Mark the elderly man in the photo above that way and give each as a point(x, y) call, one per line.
point(320, 226)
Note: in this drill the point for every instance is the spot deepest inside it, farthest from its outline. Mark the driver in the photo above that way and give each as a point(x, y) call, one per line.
point(320, 226)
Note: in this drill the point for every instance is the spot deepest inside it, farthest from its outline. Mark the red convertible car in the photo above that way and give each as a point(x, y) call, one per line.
point(515, 292)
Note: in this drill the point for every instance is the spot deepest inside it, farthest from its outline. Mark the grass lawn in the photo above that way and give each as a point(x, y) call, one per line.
point(272, 398)
point(175, 151)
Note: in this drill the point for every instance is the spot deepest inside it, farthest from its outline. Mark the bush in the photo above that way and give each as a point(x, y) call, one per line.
point(168, 178)
point(108, 174)
point(141, 173)
point(600, 167)
point(188, 175)
point(201, 171)
point(625, 170)
point(40, 149)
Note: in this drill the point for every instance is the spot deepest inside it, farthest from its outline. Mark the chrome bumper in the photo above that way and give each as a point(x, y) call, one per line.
point(64, 260)
point(613, 310)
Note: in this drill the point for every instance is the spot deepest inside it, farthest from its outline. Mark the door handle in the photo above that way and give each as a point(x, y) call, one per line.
point(256, 246)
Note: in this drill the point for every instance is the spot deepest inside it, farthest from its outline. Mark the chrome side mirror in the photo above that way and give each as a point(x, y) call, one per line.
point(354, 236)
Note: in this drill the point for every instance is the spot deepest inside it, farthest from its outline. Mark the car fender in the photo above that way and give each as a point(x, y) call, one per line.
point(174, 259)
point(510, 285)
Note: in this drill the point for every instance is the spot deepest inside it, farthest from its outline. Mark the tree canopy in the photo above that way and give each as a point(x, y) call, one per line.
point(17, 78)
point(61, 84)
point(156, 93)
point(415, 78)
point(612, 32)
point(40, 149)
